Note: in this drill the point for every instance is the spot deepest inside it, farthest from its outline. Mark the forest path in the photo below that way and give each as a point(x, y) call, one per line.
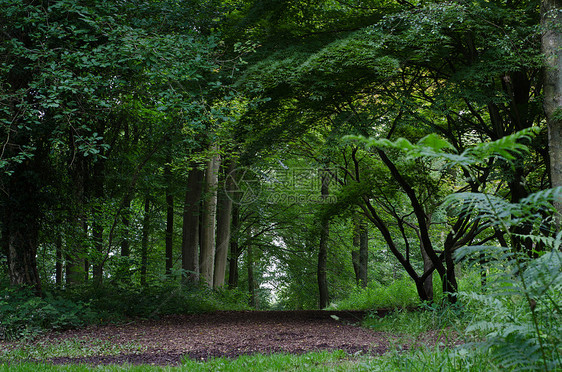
point(230, 334)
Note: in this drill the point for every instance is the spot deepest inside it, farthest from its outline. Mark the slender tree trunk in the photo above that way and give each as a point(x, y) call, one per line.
point(126, 242)
point(58, 264)
point(208, 237)
point(144, 240)
point(86, 270)
point(251, 281)
point(97, 226)
point(427, 265)
point(190, 227)
point(169, 217)
point(224, 218)
point(323, 250)
point(97, 235)
point(450, 285)
point(363, 253)
point(551, 20)
point(75, 264)
point(355, 251)
point(234, 248)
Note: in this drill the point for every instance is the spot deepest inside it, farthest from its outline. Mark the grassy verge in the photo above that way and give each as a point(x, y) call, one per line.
point(416, 360)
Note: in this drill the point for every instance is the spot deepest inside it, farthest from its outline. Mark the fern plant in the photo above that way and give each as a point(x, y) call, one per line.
point(519, 319)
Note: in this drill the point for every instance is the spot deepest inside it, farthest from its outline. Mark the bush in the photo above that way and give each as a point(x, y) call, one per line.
point(519, 317)
point(23, 315)
point(400, 294)
point(114, 302)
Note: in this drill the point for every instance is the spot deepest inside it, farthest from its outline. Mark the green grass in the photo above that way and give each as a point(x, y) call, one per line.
point(316, 361)
point(67, 348)
point(416, 322)
point(430, 360)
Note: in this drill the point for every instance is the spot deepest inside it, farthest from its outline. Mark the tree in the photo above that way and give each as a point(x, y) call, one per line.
point(224, 219)
point(91, 84)
point(551, 21)
point(323, 247)
point(190, 229)
point(360, 252)
point(208, 219)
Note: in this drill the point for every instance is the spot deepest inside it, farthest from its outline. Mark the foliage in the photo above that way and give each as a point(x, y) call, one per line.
point(438, 359)
point(519, 317)
point(446, 319)
point(521, 305)
point(23, 315)
point(399, 294)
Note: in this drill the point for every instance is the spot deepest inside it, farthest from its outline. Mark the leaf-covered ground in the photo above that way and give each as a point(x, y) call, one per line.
point(229, 334)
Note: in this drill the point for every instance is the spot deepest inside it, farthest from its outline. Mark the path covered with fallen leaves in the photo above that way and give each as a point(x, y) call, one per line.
point(168, 340)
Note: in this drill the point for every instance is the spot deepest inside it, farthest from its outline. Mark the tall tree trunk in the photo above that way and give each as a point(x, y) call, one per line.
point(190, 227)
point(234, 248)
point(360, 253)
point(126, 242)
point(208, 225)
point(224, 218)
point(355, 251)
point(551, 20)
point(97, 226)
point(363, 253)
point(20, 228)
point(169, 217)
point(75, 264)
point(144, 240)
point(323, 250)
point(251, 282)
point(58, 264)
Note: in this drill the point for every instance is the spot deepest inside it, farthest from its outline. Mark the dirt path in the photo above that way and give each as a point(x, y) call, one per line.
point(167, 341)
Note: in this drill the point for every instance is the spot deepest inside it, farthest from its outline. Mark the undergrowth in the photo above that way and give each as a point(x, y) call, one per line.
point(24, 315)
point(399, 294)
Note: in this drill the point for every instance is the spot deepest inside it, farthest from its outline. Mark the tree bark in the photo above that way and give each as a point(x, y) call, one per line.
point(427, 266)
point(58, 264)
point(190, 227)
point(208, 226)
point(251, 282)
point(126, 243)
point(20, 230)
point(360, 253)
point(323, 250)
point(75, 264)
point(450, 286)
point(224, 218)
point(551, 20)
point(144, 240)
point(363, 253)
point(97, 226)
point(234, 248)
point(355, 251)
point(169, 217)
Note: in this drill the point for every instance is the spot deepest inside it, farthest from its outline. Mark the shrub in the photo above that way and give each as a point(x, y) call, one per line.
point(24, 315)
point(400, 294)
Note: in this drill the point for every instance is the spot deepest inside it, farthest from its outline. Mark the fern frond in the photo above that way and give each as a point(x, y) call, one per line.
point(506, 147)
point(487, 252)
point(546, 241)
